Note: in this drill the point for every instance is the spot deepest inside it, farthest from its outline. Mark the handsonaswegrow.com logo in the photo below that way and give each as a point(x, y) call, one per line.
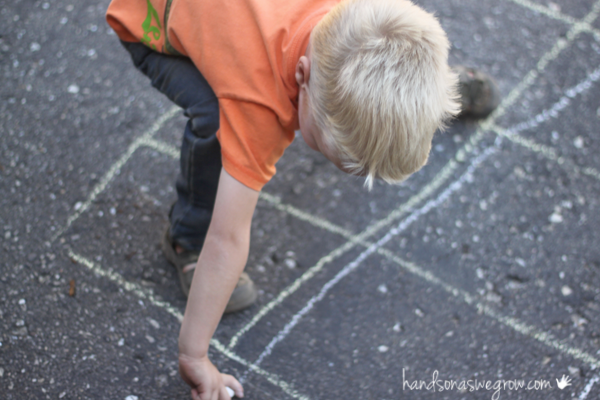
point(495, 387)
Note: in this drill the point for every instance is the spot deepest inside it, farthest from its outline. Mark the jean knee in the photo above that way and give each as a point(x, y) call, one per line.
point(204, 117)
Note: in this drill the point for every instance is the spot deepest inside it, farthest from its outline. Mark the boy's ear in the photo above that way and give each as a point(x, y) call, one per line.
point(303, 71)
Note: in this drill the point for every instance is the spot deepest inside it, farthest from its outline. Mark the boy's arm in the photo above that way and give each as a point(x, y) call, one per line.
point(219, 266)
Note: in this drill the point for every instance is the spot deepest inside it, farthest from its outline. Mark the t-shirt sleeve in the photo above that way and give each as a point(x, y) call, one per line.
point(138, 21)
point(252, 141)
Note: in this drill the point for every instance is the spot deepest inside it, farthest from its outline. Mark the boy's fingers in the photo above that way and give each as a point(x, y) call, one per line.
point(206, 395)
point(233, 383)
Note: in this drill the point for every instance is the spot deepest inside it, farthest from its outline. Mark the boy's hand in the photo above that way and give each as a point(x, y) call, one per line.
point(206, 381)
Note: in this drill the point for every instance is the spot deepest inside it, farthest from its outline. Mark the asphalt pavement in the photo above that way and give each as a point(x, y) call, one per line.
point(479, 274)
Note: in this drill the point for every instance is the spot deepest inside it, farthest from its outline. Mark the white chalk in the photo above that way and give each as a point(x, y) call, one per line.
point(230, 391)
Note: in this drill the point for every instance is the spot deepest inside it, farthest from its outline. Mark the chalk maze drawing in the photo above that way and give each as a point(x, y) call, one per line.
point(439, 188)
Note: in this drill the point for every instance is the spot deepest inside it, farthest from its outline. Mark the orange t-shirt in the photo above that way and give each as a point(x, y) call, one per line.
point(247, 50)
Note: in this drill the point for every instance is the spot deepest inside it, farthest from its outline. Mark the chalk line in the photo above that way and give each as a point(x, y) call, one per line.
point(585, 25)
point(549, 56)
point(161, 146)
point(275, 201)
point(134, 288)
point(513, 323)
point(594, 173)
point(552, 112)
point(273, 379)
point(557, 107)
point(148, 295)
point(114, 169)
point(529, 144)
point(554, 14)
point(588, 388)
point(549, 152)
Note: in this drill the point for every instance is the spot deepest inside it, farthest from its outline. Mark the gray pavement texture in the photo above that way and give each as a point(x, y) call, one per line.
point(483, 266)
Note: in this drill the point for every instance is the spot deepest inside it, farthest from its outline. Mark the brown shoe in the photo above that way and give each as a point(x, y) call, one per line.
point(479, 93)
point(244, 294)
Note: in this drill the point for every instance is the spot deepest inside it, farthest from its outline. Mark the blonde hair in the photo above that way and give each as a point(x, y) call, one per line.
point(380, 85)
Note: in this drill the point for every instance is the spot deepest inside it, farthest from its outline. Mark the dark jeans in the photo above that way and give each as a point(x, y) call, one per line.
point(182, 83)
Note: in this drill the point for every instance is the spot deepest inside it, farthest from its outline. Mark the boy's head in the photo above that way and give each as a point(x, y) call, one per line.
point(374, 87)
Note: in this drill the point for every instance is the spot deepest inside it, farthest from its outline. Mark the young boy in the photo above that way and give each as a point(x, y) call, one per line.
point(366, 81)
